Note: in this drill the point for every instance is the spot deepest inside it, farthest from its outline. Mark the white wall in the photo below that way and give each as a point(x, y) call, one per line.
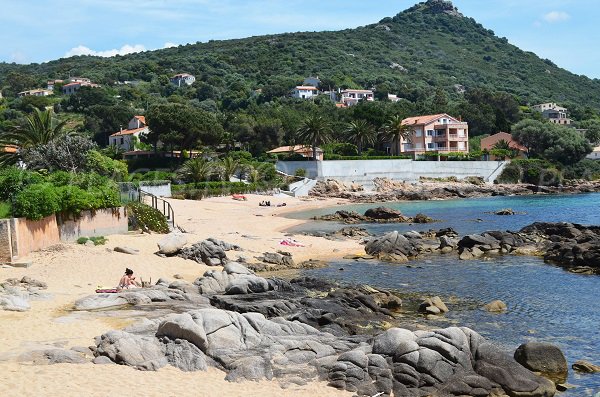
point(159, 190)
point(364, 171)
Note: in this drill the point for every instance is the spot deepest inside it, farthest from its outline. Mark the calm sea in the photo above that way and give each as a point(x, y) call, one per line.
point(545, 303)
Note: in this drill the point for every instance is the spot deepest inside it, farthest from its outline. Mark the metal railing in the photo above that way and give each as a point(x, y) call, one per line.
point(159, 204)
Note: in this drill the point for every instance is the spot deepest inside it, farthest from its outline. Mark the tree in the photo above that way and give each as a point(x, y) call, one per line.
point(39, 128)
point(394, 131)
point(195, 170)
point(362, 133)
point(67, 154)
point(228, 166)
point(315, 131)
point(592, 132)
point(502, 145)
point(552, 142)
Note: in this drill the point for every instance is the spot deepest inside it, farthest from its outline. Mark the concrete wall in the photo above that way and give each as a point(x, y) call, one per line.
point(364, 171)
point(92, 224)
point(158, 190)
point(20, 236)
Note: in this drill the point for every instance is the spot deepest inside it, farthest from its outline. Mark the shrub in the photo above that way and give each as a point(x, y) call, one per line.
point(37, 201)
point(585, 169)
point(142, 216)
point(82, 240)
point(103, 165)
point(533, 171)
point(13, 180)
point(300, 172)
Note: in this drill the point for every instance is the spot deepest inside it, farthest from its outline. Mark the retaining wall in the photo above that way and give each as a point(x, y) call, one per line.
point(364, 171)
point(20, 236)
point(157, 190)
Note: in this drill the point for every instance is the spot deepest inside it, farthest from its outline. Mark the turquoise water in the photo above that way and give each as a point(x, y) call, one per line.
point(545, 303)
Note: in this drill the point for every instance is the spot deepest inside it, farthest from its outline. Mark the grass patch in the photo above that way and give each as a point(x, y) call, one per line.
point(5, 210)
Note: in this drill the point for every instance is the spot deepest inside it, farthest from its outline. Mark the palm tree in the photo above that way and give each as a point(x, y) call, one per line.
point(39, 128)
point(195, 170)
point(362, 133)
point(315, 130)
point(394, 131)
point(227, 167)
point(502, 145)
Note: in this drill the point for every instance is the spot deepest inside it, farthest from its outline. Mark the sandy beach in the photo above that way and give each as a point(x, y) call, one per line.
point(73, 271)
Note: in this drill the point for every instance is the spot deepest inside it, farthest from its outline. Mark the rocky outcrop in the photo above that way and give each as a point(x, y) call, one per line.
point(495, 306)
point(396, 247)
point(585, 367)
point(15, 294)
point(249, 346)
point(544, 358)
point(211, 252)
point(374, 215)
point(433, 306)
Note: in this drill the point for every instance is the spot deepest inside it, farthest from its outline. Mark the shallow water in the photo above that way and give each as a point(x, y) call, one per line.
point(545, 303)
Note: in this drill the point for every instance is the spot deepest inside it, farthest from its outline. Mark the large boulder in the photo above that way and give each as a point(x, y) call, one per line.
point(544, 358)
point(392, 246)
point(16, 302)
point(211, 252)
point(384, 214)
point(141, 352)
point(172, 243)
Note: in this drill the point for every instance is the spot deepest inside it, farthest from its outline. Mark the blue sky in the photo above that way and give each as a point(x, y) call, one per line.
point(564, 31)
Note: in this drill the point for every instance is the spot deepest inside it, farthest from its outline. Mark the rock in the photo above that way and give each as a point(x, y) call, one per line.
point(185, 356)
point(544, 358)
point(141, 352)
point(101, 360)
point(127, 250)
point(422, 218)
point(505, 211)
point(585, 367)
point(211, 252)
point(276, 258)
point(392, 246)
point(15, 303)
point(433, 306)
point(496, 306)
point(384, 213)
point(172, 243)
point(61, 356)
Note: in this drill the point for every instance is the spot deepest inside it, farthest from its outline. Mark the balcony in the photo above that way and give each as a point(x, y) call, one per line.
point(462, 124)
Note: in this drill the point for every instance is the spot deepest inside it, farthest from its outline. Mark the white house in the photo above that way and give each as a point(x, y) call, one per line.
point(352, 97)
point(51, 83)
point(305, 92)
point(36, 92)
point(124, 139)
point(71, 88)
point(393, 98)
point(79, 80)
point(182, 79)
point(553, 113)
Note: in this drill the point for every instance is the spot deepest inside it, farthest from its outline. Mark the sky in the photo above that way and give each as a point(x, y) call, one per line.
point(563, 31)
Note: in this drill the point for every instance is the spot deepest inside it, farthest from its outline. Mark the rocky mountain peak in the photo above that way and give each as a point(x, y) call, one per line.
point(440, 7)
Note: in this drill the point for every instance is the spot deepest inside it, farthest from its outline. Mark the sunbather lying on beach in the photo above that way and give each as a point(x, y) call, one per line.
point(128, 280)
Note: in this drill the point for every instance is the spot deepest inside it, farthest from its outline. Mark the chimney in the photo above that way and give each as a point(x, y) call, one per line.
point(460, 118)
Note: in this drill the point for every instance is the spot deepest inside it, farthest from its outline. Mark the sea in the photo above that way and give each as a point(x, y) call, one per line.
point(545, 302)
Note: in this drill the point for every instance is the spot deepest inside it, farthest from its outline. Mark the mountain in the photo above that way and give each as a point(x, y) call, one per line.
point(428, 46)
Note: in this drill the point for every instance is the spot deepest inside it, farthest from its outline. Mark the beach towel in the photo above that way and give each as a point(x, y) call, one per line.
point(106, 291)
point(239, 197)
point(291, 243)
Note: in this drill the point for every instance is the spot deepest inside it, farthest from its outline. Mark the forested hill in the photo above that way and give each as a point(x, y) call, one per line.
point(429, 45)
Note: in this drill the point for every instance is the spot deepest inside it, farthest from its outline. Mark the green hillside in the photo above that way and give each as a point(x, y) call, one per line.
point(426, 47)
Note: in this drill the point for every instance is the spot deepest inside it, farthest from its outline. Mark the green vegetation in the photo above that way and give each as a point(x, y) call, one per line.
point(144, 217)
point(98, 240)
point(533, 171)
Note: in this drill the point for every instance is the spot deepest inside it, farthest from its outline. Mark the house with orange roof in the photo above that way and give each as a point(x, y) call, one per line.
point(439, 133)
point(127, 139)
point(490, 142)
point(74, 86)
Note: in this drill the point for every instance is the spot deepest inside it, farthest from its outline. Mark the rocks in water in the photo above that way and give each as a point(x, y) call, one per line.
point(127, 250)
point(544, 358)
point(475, 246)
point(433, 306)
point(496, 306)
point(505, 211)
point(211, 252)
point(393, 247)
point(375, 215)
point(585, 367)
point(172, 243)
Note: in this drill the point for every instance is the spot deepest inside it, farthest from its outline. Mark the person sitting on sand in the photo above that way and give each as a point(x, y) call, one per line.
point(128, 280)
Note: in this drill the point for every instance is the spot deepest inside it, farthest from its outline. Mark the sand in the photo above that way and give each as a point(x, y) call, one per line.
point(73, 271)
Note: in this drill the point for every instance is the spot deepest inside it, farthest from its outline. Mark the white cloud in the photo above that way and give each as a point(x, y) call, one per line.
point(556, 16)
point(168, 44)
point(126, 49)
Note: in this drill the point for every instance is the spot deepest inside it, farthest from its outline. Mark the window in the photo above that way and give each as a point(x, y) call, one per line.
point(431, 146)
point(418, 132)
point(122, 140)
point(429, 132)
